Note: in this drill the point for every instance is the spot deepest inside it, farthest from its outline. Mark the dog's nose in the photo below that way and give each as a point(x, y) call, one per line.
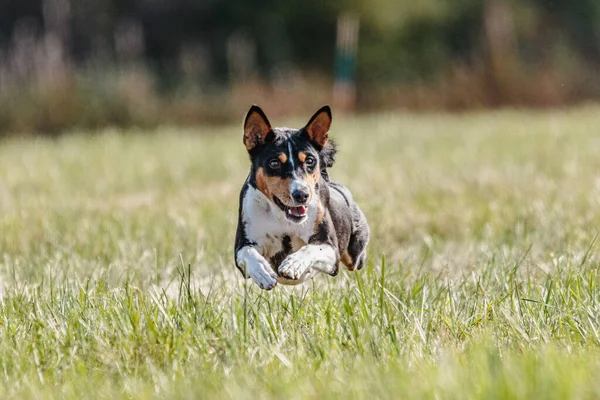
point(300, 196)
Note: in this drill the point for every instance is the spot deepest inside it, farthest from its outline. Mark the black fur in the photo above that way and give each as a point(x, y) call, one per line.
point(240, 235)
point(327, 158)
point(346, 213)
point(286, 249)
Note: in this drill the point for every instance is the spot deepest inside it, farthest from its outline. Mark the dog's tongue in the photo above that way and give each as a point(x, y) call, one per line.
point(297, 211)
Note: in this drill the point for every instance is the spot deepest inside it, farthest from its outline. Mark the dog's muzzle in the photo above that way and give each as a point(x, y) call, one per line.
point(292, 213)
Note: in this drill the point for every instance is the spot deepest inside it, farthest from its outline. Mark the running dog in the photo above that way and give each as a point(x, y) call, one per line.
point(294, 222)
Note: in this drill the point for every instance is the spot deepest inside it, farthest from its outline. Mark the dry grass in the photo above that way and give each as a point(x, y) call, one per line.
point(117, 278)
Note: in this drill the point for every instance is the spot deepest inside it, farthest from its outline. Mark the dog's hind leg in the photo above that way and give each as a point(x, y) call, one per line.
point(355, 256)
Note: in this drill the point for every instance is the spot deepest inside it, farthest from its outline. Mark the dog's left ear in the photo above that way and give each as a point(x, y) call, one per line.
point(318, 127)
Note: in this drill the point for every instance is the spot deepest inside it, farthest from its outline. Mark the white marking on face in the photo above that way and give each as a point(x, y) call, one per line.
point(297, 184)
point(291, 155)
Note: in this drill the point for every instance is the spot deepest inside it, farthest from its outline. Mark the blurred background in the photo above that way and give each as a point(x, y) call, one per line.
point(84, 64)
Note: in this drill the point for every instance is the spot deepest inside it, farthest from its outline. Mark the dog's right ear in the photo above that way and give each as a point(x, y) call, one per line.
point(256, 128)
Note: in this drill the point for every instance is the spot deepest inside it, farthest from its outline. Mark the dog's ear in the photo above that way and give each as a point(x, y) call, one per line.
point(317, 128)
point(256, 127)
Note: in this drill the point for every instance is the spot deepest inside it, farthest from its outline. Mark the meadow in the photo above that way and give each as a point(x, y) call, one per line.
point(117, 275)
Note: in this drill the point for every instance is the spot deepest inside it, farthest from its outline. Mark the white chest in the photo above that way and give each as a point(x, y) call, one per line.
point(266, 225)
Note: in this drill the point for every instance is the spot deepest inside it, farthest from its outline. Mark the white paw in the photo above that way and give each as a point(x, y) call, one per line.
point(257, 268)
point(262, 274)
point(295, 265)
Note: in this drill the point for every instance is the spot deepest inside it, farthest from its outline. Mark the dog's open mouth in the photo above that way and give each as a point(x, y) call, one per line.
point(293, 213)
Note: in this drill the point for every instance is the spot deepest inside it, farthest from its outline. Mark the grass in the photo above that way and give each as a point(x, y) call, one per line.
point(116, 273)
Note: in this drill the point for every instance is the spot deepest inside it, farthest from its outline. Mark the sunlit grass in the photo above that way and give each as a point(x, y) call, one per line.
point(116, 273)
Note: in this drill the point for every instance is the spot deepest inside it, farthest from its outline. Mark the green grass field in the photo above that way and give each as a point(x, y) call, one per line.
point(117, 275)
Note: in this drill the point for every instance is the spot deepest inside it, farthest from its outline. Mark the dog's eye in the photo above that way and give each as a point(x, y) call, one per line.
point(310, 161)
point(275, 163)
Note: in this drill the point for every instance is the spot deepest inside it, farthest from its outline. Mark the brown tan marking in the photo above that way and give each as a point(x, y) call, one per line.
point(261, 182)
point(282, 157)
point(301, 156)
point(311, 180)
point(273, 186)
point(320, 215)
point(276, 186)
point(347, 260)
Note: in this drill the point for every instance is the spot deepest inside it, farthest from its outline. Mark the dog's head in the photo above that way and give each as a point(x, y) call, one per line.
point(287, 163)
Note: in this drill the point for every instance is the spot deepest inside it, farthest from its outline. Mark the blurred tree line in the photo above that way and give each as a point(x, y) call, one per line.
point(66, 63)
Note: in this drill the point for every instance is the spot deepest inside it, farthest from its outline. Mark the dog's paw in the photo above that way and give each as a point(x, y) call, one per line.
point(262, 274)
point(295, 265)
point(257, 268)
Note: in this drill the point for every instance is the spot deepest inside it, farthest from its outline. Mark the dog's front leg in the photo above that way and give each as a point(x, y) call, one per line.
point(318, 256)
point(250, 260)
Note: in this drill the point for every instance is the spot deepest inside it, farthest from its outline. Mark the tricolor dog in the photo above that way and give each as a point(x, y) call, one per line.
point(293, 220)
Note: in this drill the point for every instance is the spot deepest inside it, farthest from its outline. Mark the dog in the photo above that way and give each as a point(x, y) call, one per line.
point(294, 222)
